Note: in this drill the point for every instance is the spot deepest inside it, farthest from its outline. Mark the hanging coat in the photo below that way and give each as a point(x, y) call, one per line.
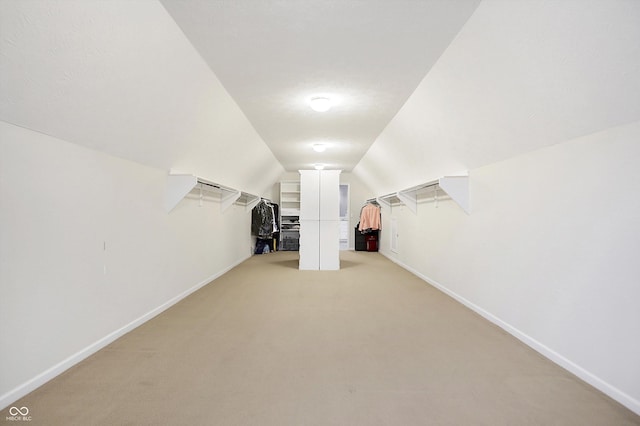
point(262, 220)
point(369, 218)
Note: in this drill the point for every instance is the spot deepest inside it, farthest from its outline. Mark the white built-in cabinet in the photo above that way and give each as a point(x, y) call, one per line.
point(319, 219)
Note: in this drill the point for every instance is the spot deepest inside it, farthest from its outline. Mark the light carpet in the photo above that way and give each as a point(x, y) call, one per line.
point(371, 344)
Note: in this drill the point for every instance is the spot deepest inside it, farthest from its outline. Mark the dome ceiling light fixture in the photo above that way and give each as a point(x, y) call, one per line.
point(319, 147)
point(318, 166)
point(320, 104)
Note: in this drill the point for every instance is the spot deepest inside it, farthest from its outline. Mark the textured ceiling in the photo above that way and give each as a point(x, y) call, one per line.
point(110, 76)
point(518, 77)
point(273, 56)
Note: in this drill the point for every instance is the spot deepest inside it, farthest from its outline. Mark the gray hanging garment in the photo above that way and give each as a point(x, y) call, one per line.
point(262, 220)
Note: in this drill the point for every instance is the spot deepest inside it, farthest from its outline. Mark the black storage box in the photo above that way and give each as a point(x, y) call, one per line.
point(366, 242)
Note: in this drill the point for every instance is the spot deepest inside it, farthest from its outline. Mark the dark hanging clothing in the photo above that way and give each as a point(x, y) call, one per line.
point(262, 220)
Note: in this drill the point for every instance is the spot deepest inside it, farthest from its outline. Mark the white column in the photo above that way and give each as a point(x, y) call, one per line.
point(319, 220)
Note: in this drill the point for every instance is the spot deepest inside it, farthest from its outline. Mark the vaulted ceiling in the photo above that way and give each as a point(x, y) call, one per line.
point(366, 56)
point(211, 87)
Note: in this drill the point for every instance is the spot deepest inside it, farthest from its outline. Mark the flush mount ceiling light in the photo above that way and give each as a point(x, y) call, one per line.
point(318, 166)
point(320, 104)
point(318, 147)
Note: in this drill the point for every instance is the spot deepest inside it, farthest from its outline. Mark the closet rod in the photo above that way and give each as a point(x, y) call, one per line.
point(419, 187)
point(215, 185)
point(226, 188)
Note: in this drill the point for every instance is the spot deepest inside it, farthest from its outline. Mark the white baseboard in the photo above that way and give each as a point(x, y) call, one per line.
point(42, 378)
point(613, 392)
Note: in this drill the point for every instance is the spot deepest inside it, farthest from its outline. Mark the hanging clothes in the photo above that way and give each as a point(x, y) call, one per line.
point(370, 218)
point(262, 220)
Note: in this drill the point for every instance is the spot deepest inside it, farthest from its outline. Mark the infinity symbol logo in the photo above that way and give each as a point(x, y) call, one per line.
point(14, 411)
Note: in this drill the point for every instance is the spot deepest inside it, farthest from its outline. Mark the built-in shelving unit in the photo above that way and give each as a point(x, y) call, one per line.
point(290, 198)
point(456, 187)
point(178, 186)
point(290, 215)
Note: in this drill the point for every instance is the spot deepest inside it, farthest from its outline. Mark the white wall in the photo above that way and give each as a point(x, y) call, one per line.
point(548, 249)
point(549, 252)
point(122, 78)
point(98, 101)
point(60, 204)
point(520, 75)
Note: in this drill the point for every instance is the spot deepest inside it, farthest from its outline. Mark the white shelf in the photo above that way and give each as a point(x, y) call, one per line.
point(178, 186)
point(290, 198)
point(457, 187)
point(389, 199)
point(289, 210)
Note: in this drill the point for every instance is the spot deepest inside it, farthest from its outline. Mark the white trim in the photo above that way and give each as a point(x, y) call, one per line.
point(42, 378)
point(610, 390)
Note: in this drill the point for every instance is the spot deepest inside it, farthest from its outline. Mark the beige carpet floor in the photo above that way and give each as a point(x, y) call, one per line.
point(370, 344)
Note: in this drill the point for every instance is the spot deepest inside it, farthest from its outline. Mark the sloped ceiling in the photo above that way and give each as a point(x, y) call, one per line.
point(439, 85)
point(90, 74)
point(273, 56)
point(520, 75)
point(120, 77)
